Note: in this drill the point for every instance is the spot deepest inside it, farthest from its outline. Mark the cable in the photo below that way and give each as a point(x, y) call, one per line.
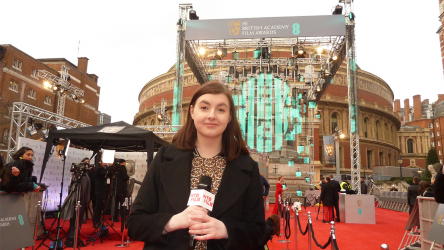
point(317, 244)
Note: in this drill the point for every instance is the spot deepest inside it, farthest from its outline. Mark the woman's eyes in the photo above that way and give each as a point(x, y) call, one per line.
point(206, 108)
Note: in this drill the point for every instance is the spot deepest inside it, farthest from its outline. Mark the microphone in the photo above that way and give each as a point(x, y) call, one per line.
point(201, 196)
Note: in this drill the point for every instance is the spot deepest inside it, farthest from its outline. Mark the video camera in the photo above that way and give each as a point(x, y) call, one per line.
point(81, 167)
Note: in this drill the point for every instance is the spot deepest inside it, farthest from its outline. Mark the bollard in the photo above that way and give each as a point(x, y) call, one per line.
point(384, 247)
point(296, 216)
point(309, 230)
point(76, 233)
point(282, 224)
point(128, 240)
point(36, 222)
point(286, 221)
point(333, 236)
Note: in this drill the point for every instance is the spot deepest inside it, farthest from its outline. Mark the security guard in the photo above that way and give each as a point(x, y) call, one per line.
point(345, 186)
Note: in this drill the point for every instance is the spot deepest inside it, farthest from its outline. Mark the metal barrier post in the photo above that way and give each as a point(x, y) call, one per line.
point(309, 230)
point(296, 216)
point(123, 221)
point(333, 236)
point(129, 204)
point(281, 219)
point(384, 247)
point(36, 222)
point(76, 233)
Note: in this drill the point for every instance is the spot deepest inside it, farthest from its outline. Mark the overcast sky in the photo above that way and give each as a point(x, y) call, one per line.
point(130, 42)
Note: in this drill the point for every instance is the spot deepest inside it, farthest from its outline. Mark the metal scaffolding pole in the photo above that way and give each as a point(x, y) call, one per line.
point(353, 99)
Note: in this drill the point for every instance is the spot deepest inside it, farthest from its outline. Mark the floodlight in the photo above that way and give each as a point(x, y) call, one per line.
point(202, 51)
point(337, 10)
point(193, 15)
point(31, 130)
point(319, 49)
point(47, 84)
point(159, 116)
point(82, 101)
point(301, 50)
point(219, 52)
point(314, 96)
point(341, 136)
point(327, 72)
point(318, 88)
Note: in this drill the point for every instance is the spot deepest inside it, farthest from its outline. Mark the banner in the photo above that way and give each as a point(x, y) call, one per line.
point(329, 150)
point(268, 27)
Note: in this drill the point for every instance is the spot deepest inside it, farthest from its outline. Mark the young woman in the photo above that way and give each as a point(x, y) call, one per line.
point(209, 144)
point(22, 162)
point(272, 228)
point(425, 190)
point(279, 190)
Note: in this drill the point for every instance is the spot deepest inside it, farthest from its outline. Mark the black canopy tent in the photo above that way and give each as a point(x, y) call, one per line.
point(128, 139)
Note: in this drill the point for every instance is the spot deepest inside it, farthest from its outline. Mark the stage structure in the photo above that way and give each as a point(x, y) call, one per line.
point(277, 68)
point(23, 112)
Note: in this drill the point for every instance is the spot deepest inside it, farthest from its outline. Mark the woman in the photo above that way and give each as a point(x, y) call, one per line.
point(279, 190)
point(272, 228)
point(22, 162)
point(6, 173)
point(210, 143)
point(425, 190)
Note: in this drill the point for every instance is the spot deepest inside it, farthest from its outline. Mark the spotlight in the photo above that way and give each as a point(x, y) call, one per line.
point(301, 50)
point(62, 91)
point(47, 84)
point(202, 51)
point(327, 72)
point(219, 52)
point(335, 57)
point(337, 10)
point(159, 116)
point(31, 130)
point(314, 96)
point(318, 88)
point(55, 88)
point(319, 49)
point(82, 101)
point(193, 15)
point(341, 136)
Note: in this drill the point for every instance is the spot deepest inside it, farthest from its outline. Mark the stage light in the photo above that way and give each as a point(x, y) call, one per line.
point(62, 91)
point(314, 97)
point(301, 50)
point(193, 15)
point(31, 130)
point(318, 88)
point(319, 49)
point(159, 116)
point(341, 136)
point(351, 16)
point(335, 57)
point(327, 72)
point(337, 10)
point(82, 101)
point(47, 84)
point(202, 51)
point(219, 52)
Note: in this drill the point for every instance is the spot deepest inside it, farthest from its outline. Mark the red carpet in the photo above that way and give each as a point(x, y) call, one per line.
point(389, 229)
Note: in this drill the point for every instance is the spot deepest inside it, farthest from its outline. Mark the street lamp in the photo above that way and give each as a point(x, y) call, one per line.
point(338, 135)
point(400, 170)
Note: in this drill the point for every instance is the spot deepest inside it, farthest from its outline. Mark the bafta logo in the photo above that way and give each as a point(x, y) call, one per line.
point(234, 27)
point(329, 149)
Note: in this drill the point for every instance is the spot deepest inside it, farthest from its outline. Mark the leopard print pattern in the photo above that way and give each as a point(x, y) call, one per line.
point(213, 167)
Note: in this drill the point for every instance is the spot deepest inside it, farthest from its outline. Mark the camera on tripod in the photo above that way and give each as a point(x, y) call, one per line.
point(79, 170)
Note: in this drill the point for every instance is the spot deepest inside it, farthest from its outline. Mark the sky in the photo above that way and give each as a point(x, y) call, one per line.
point(130, 42)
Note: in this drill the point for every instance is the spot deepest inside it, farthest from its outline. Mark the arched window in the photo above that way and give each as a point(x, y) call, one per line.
point(410, 146)
point(377, 129)
point(366, 127)
point(152, 122)
point(334, 122)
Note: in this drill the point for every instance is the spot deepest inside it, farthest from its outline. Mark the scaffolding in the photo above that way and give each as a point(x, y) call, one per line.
point(22, 112)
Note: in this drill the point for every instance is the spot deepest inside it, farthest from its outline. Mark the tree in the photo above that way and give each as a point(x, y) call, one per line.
point(432, 158)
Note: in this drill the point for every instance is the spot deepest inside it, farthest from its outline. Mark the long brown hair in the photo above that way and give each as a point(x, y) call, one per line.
point(276, 224)
point(232, 142)
point(423, 186)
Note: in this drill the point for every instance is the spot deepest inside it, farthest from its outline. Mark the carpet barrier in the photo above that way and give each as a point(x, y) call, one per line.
point(309, 227)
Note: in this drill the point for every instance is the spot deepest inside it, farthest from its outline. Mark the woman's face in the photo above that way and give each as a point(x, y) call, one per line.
point(282, 179)
point(28, 155)
point(211, 114)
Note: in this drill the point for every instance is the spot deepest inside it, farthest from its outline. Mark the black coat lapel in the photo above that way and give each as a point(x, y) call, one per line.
point(233, 185)
point(175, 175)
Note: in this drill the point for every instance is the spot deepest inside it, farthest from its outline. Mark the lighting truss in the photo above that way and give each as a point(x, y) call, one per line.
point(162, 129)
point(21, 112)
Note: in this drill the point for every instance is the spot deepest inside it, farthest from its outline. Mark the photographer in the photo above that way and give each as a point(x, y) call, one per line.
point(79, 190)
point(101, 191)
point(119, 177)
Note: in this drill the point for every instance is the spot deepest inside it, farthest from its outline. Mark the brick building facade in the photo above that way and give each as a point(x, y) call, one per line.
point(20, 83)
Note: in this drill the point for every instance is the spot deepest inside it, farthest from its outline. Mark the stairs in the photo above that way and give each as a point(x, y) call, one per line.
point(294, 183)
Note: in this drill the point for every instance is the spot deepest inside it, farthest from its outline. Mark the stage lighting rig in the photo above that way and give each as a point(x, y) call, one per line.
point(193, 15)
point(334, 57)
point(319, 49)
point(202, 51)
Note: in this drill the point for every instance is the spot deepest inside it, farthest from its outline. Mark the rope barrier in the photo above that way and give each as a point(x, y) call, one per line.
point(316, 242)
point(300, 228)
point(335, 244)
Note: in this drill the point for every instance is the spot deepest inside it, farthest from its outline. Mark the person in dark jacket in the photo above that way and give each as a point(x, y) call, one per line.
point(210, 143)
point(363, 186)
point(264, 183)
point(6, 174)
point(101, 191)
point(328, 198)
point(24, 182)
point(425, 190)
point(337, 186)
point(119, 178)
point(438, 186)
point(272, 229)
point(412, 193)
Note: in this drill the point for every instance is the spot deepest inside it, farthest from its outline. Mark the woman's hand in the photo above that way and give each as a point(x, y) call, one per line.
point(211, 228)
point(15, 171)
point(185, 218)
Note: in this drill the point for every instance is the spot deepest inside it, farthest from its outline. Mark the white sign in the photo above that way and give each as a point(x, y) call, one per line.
point(203, 198)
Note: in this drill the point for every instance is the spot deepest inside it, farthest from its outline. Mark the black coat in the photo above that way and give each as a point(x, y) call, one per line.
point(121, 178)
point(328, 194)
point(165, 191)
point(100, 186)
point(438, 187)
point(267, 234)
point(264, 182)
point(337, 186)
point(363, 187)
point(412, 193)
point(22, 182)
